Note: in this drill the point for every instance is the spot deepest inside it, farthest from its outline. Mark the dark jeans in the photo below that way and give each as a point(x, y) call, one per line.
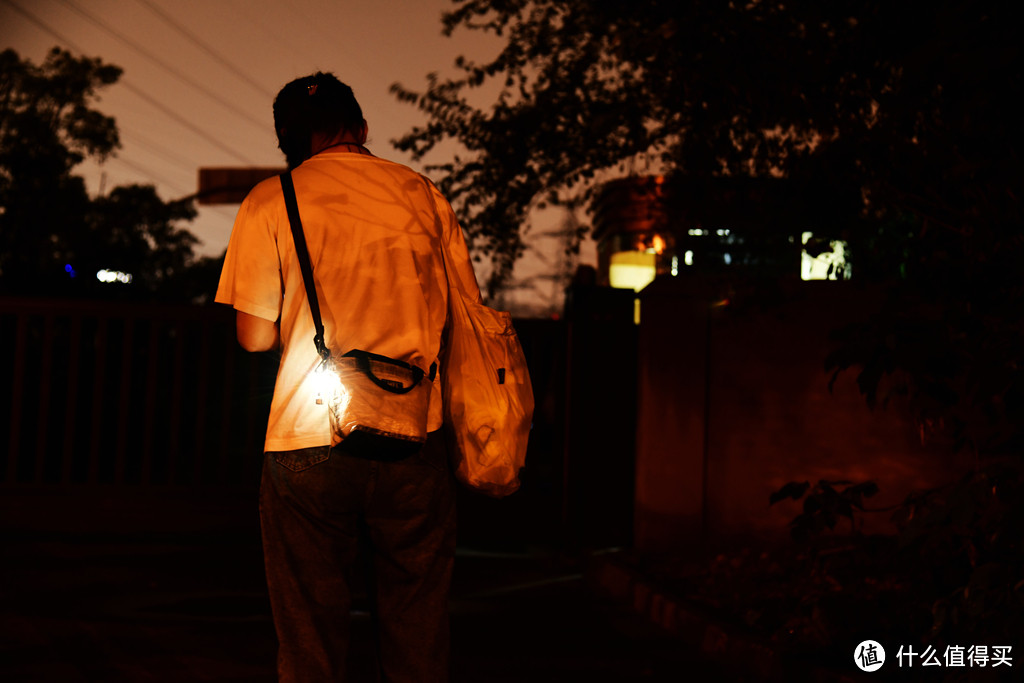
point(317, 505)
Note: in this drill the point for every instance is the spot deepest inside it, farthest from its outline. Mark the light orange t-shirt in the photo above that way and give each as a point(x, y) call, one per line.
point(373, 229)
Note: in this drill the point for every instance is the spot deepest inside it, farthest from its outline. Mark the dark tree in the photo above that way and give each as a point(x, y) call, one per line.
point(54, 237)
point(890, 125)
point(892, 108)
point(133, 221)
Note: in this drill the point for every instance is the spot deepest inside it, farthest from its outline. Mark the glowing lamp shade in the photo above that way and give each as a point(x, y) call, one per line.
point(632, 270)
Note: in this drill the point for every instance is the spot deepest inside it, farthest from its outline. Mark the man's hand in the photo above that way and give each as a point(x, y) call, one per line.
point(256, 334)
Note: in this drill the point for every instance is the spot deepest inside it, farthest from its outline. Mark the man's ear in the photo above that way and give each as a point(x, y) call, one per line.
point(364, 131)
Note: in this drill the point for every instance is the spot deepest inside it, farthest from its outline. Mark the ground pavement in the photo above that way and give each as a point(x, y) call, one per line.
point(173, 609)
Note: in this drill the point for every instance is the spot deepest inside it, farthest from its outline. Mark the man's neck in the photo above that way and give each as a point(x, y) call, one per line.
point(344, 147)
point(341, 140)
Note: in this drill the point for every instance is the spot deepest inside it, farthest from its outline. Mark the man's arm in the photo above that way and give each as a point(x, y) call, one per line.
point(255, 333)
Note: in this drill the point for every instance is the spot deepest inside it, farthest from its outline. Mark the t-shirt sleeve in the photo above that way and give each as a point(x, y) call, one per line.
point(250, 280)
point(451, 232)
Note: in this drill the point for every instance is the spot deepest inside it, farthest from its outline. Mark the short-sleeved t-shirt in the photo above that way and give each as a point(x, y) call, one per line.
point(373, 229)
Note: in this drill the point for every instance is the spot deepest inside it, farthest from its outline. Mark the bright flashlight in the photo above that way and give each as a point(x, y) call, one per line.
point(325, 381)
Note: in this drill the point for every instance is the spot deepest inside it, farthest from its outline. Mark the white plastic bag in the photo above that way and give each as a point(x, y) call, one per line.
point(488, 397)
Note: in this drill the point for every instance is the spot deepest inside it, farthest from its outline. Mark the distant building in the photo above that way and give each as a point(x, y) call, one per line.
point(635, 239)
point(646, 226)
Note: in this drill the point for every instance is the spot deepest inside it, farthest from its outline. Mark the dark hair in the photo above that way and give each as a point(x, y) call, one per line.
point(319, 103)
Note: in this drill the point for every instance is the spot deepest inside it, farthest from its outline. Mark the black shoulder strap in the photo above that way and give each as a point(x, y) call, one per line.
point(304, 263)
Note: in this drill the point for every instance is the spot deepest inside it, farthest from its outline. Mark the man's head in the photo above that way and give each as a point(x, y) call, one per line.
point(311, 107)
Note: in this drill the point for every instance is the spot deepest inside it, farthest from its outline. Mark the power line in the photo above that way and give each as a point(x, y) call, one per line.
point(317, 26)
point(171, 69)
point(313, 25)
point(206, 48)
point(254, 21)
point(181, 120)
point(192, 127)
point(138, 168)
point(159, 150)
point(227, 213)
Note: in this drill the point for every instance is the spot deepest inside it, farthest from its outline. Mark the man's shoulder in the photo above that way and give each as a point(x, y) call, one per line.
point(361, 165)
point(264, 192)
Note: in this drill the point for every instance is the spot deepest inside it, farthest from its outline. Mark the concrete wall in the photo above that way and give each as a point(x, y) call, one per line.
point(733, 402)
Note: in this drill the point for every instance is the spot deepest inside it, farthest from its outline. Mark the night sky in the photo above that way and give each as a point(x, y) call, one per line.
point(199, 77)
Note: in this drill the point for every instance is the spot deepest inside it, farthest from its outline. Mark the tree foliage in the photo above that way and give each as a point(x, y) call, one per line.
point(885, 119)
point(891, 125)
point(53, 236)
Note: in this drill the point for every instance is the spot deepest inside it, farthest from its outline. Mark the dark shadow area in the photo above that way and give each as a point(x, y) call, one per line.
point(193, 608)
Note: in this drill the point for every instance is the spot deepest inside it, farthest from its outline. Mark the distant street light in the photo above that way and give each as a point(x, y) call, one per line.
point(113, 276)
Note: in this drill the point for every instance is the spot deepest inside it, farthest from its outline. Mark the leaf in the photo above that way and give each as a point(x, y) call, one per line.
point(793, 489)
point(858, 492)
point(828, 519)
point(812, 504)
point(833, 378)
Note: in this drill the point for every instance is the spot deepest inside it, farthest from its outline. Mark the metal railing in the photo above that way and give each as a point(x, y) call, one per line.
point(128, 394)
point(122, 419)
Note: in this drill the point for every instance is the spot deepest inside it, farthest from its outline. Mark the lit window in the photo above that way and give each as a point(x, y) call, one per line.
point(828, 265)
